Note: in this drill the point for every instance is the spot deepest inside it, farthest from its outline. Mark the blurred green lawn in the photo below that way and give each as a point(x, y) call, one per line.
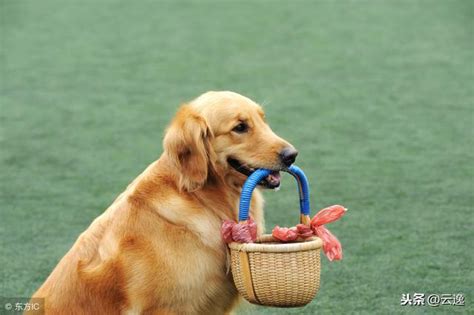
point(376, 95)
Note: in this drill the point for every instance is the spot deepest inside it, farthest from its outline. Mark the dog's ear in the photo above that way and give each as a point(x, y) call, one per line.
point(187, 144)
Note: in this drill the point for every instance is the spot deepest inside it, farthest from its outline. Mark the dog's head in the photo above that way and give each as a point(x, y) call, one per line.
point(224, 134)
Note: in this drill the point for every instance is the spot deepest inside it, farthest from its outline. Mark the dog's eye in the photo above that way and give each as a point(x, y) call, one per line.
point(241, 128)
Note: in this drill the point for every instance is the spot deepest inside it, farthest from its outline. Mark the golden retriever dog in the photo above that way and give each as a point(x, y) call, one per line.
point(158, 249)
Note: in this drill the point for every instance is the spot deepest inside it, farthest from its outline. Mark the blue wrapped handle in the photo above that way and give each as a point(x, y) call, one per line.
point(260, 174)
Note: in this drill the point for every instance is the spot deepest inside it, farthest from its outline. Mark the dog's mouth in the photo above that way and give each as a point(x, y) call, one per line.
point(272, 181)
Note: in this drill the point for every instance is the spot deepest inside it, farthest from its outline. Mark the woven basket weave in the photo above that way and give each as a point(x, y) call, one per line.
point(271, 273)
point(275, 274)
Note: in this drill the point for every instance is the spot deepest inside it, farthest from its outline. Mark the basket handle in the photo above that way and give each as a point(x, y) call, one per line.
point(253, 180)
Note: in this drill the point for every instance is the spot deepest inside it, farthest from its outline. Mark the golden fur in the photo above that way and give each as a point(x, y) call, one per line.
point(157, 249)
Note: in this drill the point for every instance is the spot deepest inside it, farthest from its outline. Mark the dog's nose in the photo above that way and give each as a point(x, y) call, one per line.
point(288, 156)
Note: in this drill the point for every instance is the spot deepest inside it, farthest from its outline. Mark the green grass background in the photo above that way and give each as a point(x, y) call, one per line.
point(376, 95)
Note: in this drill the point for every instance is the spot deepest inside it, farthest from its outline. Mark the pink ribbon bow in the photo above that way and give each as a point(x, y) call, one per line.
point(246, 232)
point(331, 245)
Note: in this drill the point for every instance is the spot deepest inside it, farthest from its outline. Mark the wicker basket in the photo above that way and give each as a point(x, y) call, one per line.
point(271, 273)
